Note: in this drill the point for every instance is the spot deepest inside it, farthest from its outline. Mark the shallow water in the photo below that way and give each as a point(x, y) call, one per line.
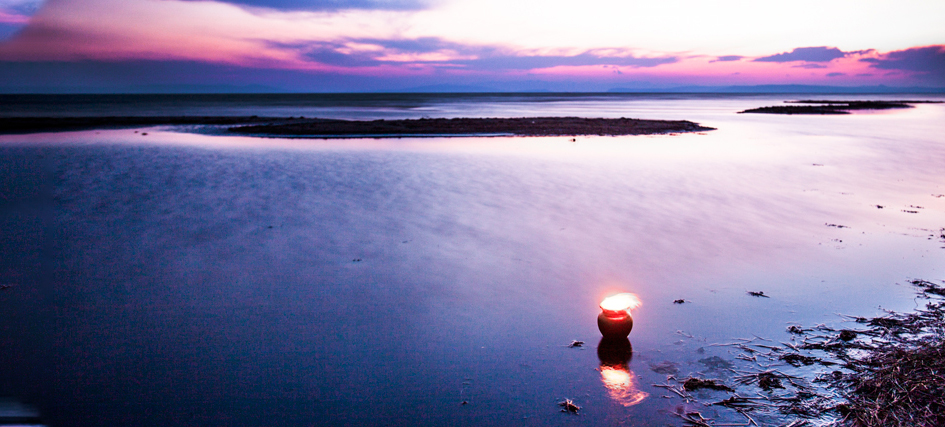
point(181, 278)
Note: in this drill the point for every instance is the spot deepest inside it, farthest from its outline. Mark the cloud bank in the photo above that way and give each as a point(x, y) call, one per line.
point(927, 60)
point(396, 41)
point(330, 5)
point(806, 54)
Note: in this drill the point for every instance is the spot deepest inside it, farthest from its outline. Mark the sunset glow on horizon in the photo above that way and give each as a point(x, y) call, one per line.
point(367, 45)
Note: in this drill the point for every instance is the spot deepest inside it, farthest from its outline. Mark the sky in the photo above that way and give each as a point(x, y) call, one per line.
point(393, 45)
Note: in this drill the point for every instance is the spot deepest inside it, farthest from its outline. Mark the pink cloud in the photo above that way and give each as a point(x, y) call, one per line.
point(326, 43)
point(7, 17)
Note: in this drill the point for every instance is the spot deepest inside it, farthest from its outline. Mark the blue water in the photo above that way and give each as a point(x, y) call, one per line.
point(181, 278)
point(394, 106)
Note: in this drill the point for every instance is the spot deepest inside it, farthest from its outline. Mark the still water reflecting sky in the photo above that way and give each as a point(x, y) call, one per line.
point(181, 278)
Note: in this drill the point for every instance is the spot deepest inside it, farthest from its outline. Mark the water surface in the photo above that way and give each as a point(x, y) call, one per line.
point(191, 279)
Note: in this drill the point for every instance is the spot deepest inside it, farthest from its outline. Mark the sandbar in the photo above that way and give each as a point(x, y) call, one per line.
point(331, 128)
point(833, 106)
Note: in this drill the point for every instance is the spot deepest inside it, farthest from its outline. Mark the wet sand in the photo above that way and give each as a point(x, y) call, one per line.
point(313, 127)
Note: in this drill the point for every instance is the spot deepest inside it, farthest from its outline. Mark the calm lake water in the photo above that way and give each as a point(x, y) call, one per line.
point(187, 278)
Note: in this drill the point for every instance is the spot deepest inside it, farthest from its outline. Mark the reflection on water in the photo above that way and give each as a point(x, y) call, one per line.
point(14, 413)
point(183, 279)
point(615, 372)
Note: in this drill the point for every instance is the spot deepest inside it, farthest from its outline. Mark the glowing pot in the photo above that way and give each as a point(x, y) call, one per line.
point(615, 320)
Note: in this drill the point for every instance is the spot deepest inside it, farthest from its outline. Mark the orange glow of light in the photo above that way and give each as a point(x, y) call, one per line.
point(620, 302)
point(620, 385)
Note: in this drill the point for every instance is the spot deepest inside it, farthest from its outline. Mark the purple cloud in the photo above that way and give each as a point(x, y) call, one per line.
point(810, 66)
point(150, 76)
point(330, 56)
point(7, 30)
point(420, 45)
point(15, 14)
point(512, 62)
point(331, 4)
point(807, 54)
point(21, 7)
point(336, 53)
point(727, 58)
point(928, 60)
point(493, 58)
point(489, 58)
point(835, 74)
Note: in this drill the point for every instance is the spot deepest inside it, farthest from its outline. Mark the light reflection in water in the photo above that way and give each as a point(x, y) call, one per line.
point(615, 372)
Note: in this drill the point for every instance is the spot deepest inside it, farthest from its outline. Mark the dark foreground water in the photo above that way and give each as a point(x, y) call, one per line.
point(187, 279)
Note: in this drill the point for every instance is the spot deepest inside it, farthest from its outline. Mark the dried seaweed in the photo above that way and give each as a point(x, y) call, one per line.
point(796, 359)
point(888, 372)
point(692, 384)
point(738, 402)
point(766, 380)
point(797, 330)
point(897, 377)
point(569, 406)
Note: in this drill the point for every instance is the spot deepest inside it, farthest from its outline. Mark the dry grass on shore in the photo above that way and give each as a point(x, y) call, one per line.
point(889, 371)
point(901, 387)
point(901, 380)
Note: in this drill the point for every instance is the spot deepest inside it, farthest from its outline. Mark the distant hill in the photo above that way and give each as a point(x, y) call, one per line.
point(785, 89)
point(448, 88)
